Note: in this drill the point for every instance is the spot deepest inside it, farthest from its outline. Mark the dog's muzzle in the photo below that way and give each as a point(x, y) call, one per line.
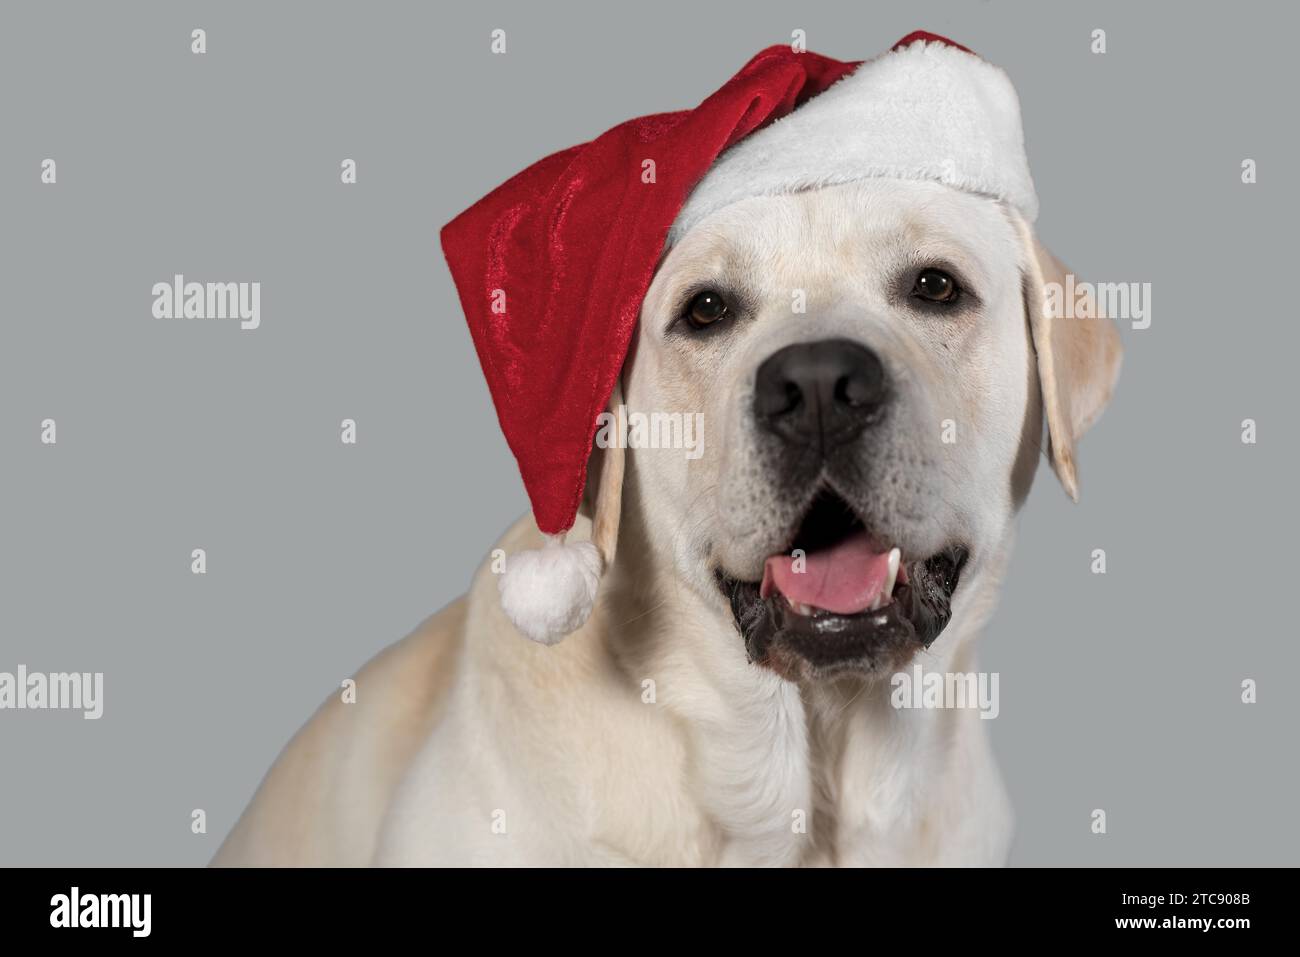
point(838, 596)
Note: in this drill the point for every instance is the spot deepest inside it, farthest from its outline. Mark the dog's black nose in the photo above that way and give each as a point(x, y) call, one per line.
point(820, 393)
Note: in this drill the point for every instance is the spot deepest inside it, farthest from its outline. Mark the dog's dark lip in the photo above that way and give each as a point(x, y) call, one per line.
point(824, 643)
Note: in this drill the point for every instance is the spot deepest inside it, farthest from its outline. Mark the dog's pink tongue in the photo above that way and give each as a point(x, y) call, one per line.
point(845, 579)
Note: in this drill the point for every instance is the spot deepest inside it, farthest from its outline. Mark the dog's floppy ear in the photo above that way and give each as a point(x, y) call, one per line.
point(603, 496)
point(1078, 358)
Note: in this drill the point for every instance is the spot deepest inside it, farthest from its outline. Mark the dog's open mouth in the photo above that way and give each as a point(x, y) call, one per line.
point(839, 600)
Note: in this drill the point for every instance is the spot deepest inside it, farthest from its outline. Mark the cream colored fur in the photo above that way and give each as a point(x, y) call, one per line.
point(647, 738)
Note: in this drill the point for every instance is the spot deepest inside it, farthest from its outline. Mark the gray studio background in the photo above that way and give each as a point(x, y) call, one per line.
point(1118, 691)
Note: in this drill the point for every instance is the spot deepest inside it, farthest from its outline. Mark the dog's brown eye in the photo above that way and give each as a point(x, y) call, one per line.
point(706, 309)
point(934, 285)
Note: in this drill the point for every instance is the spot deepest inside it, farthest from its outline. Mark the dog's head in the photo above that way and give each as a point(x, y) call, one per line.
point(849, 310)
point(872, 363)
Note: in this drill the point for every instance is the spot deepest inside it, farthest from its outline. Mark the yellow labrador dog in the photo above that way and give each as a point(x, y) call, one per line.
point(721, 705)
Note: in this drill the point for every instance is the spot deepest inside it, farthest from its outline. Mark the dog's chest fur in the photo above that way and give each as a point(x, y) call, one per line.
point(636, 746)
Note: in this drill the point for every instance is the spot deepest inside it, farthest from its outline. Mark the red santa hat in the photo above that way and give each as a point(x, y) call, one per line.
point(552, 266)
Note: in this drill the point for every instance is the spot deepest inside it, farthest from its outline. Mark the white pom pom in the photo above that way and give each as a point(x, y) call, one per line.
point(548, 592)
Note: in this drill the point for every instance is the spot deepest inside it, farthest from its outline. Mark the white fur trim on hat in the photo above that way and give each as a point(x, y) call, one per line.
point(927, 111)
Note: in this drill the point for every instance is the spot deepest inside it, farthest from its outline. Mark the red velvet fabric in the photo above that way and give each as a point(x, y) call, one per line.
point(915, 35)
point(551, 267)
